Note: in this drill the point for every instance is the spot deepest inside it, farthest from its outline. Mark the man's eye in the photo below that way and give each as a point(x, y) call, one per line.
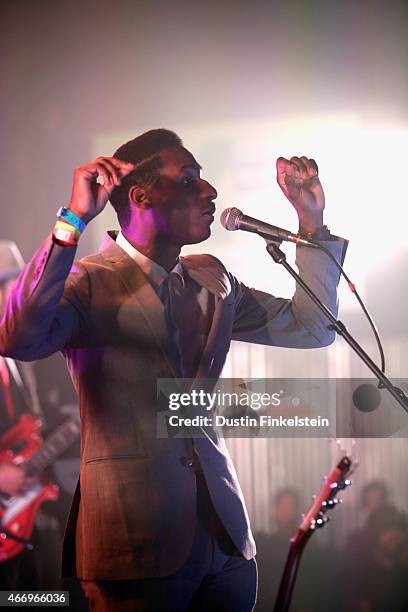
point(187, 180)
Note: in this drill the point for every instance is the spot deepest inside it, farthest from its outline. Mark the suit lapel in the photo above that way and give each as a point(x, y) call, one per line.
point(140, 292)
point(206, 273)
point(201, 269)
point(205, 270)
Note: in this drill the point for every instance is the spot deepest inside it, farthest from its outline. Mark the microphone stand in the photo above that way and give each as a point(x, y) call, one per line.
point(384, 383)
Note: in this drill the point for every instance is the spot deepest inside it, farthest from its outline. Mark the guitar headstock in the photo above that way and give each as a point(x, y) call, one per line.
point(336, 481)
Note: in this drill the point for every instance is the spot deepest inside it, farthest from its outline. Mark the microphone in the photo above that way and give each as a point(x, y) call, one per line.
point(233, 219)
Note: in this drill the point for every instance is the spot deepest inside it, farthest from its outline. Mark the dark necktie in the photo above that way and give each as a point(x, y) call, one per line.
point(188, 321)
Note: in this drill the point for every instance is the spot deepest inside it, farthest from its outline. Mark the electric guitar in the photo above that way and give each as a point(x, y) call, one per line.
point(25, 447)
point(336, 481)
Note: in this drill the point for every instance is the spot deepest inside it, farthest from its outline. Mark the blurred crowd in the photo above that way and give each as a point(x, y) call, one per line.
point(368, 574)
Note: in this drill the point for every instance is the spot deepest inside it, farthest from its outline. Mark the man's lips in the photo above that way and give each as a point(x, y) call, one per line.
point(208, 217)
point(209, 212)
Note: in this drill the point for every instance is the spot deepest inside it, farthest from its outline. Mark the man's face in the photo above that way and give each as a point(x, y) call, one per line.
point(182, 202)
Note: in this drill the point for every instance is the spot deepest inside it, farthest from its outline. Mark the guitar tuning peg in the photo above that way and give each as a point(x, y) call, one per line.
point(332, 502)
point(345, 483)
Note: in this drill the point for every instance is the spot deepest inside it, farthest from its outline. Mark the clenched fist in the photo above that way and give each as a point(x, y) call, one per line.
point(89, 197)
point(299, 180)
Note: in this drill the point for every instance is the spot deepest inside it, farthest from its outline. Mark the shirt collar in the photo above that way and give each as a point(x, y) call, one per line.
point(154, 271)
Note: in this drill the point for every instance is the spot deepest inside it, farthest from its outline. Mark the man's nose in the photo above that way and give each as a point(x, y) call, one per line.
point(208, 191)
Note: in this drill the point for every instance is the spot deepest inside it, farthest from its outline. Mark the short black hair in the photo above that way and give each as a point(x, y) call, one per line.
point(143, 151)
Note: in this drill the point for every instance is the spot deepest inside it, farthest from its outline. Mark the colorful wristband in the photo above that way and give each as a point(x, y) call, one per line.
point(68, 227)
point(64, 237)
point(70, 217)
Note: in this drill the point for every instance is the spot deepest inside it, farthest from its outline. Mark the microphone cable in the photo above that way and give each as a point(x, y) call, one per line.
point(229, 218)
point(353, 290)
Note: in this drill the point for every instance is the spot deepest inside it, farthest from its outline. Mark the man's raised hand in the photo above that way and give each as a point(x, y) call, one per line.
point(89, 197)
point(299, 180)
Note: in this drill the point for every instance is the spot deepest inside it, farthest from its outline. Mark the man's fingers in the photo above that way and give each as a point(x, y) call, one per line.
point(282, 169)
point(282, 164)
point(123, 167)
point(102, 169)
point(311, 166)
point(104, 172)
point(293, 168)
point(112, 170)
point(107, 163)
point(297, 168)
point(90, 172)
point(300, 167)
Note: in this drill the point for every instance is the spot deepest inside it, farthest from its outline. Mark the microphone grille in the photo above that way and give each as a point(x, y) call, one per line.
point(230, 218)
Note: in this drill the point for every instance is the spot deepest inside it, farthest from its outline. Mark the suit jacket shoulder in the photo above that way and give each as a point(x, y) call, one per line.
point(209, 272)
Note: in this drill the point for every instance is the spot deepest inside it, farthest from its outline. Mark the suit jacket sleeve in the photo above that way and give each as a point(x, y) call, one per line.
point(47, 308)
point(265, 319)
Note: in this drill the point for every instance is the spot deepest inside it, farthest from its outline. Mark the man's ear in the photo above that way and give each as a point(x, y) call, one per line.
point(139, 196)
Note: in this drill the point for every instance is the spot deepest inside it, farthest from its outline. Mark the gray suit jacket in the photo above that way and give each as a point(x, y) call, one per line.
point(134, 511)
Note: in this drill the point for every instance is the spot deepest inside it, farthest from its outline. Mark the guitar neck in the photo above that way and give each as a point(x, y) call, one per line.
point(297, 545)
point(54, 445)
point(335, 482)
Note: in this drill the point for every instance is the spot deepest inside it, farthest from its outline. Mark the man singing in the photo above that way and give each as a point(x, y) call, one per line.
point(158, 524)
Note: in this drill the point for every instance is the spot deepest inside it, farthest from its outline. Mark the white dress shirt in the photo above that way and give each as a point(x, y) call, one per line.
point(155, 273)
point(189, 308)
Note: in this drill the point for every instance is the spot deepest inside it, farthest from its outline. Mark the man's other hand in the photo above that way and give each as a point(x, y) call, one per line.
point(89, 197)
point(299, 180)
